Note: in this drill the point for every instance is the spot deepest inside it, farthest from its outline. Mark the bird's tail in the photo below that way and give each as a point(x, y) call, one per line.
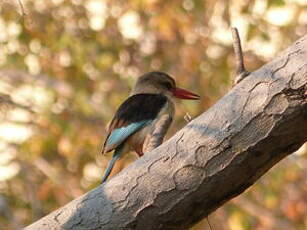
point(116, 155)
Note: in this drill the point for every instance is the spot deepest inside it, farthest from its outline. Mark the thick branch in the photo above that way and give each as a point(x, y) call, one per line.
point(212, 159)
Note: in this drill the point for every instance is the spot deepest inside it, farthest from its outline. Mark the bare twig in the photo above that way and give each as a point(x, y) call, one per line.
point(238, 50)
point(241, 71)
point(187, 117)
point(6, 99)
point(22, 8)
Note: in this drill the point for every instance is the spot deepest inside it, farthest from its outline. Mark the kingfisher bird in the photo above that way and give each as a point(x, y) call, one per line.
point(142, 120)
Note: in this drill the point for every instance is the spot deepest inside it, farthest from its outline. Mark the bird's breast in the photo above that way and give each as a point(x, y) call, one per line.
point(136, 140)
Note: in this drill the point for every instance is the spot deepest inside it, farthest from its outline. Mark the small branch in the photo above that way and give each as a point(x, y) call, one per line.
point(187, 117)
point(6, 99)
point(238, 51)
point(23, 14)
point(241, 71)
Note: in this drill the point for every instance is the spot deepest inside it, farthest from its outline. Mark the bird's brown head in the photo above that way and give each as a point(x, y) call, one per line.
point(161, 83)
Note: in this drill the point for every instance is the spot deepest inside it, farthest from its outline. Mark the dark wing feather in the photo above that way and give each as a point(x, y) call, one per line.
point(135, 113)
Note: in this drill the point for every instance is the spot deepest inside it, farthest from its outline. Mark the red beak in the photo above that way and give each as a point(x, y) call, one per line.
point(184, 94)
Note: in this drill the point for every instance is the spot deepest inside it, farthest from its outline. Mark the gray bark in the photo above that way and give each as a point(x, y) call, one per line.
point(212, 159)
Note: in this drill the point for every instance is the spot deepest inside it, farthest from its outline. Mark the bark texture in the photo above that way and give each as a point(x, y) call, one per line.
point(212, 159)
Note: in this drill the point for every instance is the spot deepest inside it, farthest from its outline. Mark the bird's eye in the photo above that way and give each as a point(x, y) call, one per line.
point(168, 85)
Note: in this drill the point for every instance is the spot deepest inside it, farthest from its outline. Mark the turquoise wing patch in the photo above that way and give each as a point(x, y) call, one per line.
point(119, 135)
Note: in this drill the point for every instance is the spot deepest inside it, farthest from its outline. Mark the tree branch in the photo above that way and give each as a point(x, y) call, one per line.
point(23, 13)
point(212, 159)
point(240, 69)
point(6, 99)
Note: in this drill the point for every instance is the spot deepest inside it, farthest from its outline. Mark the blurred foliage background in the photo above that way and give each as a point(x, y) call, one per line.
point(66, 65)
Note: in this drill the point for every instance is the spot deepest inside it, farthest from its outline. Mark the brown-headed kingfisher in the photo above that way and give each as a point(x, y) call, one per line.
point(142, 120)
